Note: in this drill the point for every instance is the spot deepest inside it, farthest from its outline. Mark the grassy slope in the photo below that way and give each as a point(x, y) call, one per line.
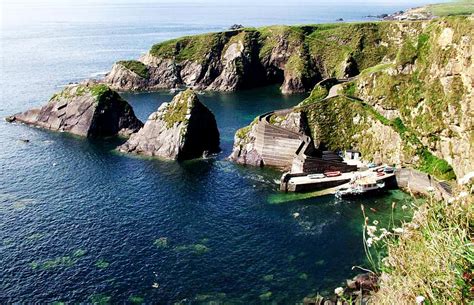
point(135, 66)
point(434, 258)
point(462, 7)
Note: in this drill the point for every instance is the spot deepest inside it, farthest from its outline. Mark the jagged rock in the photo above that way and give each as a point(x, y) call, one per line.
point(244, 151)
point(350, 68)
point(366, 281)
point(431, 92)
point(87, 110)
point(179, 130)
point(351, 284)
point(236, 27)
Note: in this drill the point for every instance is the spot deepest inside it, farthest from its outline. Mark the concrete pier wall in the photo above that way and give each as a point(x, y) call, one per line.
point(277, 146)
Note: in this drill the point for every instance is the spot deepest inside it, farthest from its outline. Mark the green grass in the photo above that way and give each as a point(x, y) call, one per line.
point(465, 7)
point(377, 68)
point(136, 66)
point(349, 89)
point(429, 163)
point(436, 166)
point(176, 111)
point(433, 258)
point(99, 90)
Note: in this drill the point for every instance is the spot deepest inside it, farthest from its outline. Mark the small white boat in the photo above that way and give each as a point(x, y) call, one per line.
point(316, 176)
point(359, 187)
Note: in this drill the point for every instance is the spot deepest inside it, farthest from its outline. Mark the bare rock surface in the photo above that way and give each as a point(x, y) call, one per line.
point(88, 110)
point(179, 130)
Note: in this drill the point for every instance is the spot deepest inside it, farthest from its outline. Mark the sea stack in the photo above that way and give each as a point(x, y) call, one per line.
point(89, 110)
point(180, 130)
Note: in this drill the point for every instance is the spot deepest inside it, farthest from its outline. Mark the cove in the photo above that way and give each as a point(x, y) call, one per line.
point(93, 225)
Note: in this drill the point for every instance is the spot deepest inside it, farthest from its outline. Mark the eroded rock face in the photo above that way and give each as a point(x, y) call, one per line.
point(430, 88)
point(88, 110)
point(180, 130)
point(244, 151)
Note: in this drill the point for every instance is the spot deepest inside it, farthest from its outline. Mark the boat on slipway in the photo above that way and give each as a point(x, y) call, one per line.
point(360, 187)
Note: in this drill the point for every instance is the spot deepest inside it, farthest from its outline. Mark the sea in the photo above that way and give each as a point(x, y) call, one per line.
point(81, 223)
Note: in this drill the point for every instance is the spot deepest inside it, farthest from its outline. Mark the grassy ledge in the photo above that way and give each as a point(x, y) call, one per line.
point(135, 66)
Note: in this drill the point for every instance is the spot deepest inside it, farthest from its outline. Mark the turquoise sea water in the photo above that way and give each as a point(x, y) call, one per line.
point(82, 223)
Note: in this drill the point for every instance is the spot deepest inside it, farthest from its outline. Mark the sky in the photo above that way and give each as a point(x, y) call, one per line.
point(233, 2)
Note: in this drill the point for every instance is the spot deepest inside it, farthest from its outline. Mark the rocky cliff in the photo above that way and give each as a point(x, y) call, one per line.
point(88, 110)
point(179, 130)
point(294, 56)
point(427, 90)
point(413, 108)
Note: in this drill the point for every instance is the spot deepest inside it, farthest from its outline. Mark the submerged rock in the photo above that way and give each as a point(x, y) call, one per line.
point(180, 130)
point(88, 110)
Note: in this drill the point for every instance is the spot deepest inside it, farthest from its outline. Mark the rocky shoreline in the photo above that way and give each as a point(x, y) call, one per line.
point(89, 110)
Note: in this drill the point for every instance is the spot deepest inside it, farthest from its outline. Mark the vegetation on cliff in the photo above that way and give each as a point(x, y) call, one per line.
point(176, 112)
point(430, 258)
point(135, 66)
point(296, 56)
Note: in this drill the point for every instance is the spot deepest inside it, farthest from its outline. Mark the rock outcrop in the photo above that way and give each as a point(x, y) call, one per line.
point(90, 110)
point(428, 88)
point(415, 108)
point(180, 130)
point(294, 56)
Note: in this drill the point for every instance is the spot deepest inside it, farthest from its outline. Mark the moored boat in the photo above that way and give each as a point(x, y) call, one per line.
point(360, 187)
point(332, 173)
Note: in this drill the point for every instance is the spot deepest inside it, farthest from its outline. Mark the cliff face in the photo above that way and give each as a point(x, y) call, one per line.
point(414, 107)
point(179, 130)
point(89, 110)
point(294, 56)
point(429, 88)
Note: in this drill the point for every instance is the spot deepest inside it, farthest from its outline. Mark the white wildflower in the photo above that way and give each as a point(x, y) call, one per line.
point(339, 291)
point(369, 242)
point(375, 222)
point(404, 207)
point(398, 230)
point(155, 285)
point(383, 233)
point(420, 299)
point(371, 230)
point(296, 215)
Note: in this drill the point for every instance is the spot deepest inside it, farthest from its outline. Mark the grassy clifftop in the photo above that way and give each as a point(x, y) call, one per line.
point(307, 50)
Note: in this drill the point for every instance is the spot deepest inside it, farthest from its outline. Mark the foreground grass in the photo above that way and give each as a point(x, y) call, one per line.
point(434, 257)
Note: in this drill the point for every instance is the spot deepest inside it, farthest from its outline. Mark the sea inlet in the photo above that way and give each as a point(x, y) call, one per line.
point(83, 223)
